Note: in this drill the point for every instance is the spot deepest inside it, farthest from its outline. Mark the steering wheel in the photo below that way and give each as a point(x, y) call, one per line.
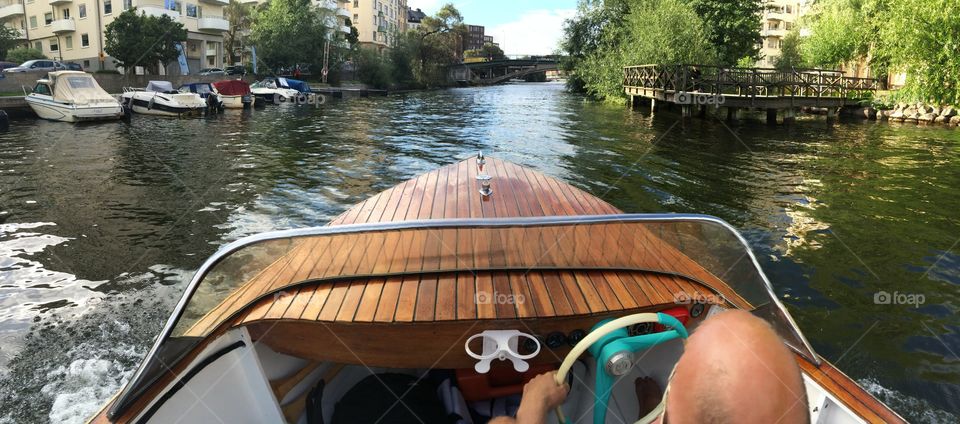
point(611, 345)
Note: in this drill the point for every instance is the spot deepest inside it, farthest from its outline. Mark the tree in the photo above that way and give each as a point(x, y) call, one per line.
point(239, 16)
point(606, 36)
point(23, 54)
point(488, 51)
point(790, 55)
point(9, 39)
point(921, 39)
point(732, 27)
point(291, 32)
point(135, 39)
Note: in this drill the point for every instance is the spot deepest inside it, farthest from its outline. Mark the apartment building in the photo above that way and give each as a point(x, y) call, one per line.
point(474, 39)
point(779, 18)
point(378, 21)
point(72, 30)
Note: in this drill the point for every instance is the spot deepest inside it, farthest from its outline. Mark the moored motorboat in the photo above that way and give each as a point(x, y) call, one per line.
point(159, 98)
point(473, 278)
point(235, 94)
point(280, 90)
point(206, 92)
point(72, 96)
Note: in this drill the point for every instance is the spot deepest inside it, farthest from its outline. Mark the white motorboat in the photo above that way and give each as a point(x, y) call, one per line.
point(234, 94)
point(160, 98)
point(280, 90)
point(72, 96)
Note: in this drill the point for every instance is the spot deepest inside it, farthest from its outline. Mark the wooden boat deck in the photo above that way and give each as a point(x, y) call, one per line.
point(452, 192)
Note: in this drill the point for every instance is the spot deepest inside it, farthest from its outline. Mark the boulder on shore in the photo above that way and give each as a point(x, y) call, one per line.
point(955, 120)
point(940, 119)
point(869, 113)
point(935, 110)
point(948, 112)
point(927, 117)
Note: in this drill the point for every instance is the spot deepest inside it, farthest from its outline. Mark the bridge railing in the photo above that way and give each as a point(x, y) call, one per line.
point(750, 82)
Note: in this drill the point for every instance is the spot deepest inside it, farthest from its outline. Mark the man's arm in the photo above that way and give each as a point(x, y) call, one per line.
point(540, 396)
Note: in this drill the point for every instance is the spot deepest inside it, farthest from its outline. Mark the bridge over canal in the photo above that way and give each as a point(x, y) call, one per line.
point(695, 87)
point(497, 71)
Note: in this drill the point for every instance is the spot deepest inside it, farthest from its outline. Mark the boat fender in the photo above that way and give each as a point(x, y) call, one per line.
point(4, 121)
point(150, 105)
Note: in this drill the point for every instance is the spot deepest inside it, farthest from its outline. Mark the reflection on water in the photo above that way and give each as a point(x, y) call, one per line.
point(101, 225)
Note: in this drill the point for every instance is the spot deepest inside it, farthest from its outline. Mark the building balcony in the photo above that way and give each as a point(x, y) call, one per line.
point(779, 32)
point(61, 26)
point(19, 34)
point(340, 12)
point(216, 2)
point(777, 16)
point(10, 10)
point(158, 11)
point(213, 23)
point(59, 2)
point(345, 29)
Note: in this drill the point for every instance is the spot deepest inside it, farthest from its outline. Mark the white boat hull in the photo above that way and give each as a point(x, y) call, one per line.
point(162, 104)
point(69, 112)
point(276, 95)
point(235, 102)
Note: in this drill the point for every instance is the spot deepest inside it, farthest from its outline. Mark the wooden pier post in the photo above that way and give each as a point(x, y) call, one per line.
point(734, 114)
point(771, 116)
point(789, 115)
point(686, 111)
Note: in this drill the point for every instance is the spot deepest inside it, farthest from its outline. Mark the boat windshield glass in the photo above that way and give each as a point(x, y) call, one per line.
point(699, 248)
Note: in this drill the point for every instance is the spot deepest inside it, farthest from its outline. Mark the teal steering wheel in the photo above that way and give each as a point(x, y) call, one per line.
point(613, 347)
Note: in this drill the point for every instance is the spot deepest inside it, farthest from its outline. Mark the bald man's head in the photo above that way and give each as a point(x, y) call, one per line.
point(736, 370)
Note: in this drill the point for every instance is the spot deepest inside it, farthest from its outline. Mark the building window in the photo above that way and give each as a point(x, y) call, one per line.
point(86, 64)
point(127, 4)
point(84, 40)
point(68, 42)
point(191, 10)
point(66, 13)
point(173, 5)
point(356, 18)
point(54, 46)
point(107, 7)
point(82, 11)
point(33, 22)
point(38, 45)
point(356, 3)
point(47, 18)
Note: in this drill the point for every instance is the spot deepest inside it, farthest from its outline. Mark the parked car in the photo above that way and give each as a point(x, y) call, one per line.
point(211, 71)
point(73, 66)
point(7, 65)
point(235, 70)
point(37, 65)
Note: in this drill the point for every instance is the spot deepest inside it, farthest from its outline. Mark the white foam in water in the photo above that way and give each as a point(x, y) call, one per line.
point(921, 410)
point(81, 388)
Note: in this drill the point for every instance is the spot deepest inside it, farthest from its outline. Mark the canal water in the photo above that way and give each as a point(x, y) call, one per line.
point(101, 225)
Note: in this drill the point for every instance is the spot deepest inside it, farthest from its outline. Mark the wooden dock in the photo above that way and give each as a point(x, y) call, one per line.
point(697, 87)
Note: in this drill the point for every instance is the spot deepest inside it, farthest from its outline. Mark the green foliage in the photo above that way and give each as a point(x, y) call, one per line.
point(838, 34)
point(633, 32)
point(922, 38)
point(134, 39)
point(240, 16)
point(23, 54)
point(419, 58)
point(9, 39)
point(290, 32)
point(488, 51)
point(733, 27)
point(746, 62)
point(790, 55)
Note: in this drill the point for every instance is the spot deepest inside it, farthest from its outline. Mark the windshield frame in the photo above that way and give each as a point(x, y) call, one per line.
point(123, 400)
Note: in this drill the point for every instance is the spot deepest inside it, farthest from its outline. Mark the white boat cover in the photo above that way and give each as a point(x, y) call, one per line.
point(161, 86)
point(77, 88)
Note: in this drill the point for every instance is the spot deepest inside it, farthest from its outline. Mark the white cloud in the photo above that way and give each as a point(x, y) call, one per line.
point(536, 32)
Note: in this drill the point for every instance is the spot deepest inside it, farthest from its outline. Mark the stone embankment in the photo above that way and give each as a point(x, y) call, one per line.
point(912, 112)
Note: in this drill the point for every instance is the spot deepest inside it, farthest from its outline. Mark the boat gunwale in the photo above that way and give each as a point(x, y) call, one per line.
point(122, 403)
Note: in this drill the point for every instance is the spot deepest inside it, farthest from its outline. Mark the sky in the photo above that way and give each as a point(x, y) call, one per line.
point(520, 26)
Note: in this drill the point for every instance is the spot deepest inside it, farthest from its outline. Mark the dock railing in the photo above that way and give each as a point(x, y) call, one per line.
point(749, 82)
